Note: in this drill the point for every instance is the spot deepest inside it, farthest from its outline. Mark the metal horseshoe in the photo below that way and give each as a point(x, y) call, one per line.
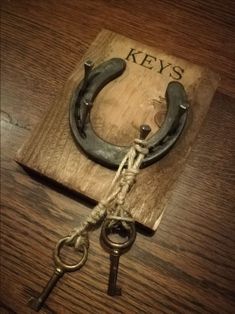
point(108, 154)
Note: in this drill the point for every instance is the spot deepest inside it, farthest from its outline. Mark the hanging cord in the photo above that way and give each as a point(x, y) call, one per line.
point(114, 199)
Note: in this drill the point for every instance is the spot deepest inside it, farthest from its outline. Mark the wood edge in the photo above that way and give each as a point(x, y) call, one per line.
point(158, 221)
point(55, 185)
point(81, 198)
point(19, 154)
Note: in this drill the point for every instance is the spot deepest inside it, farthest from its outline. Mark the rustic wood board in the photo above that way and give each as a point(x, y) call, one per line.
point(130, 100)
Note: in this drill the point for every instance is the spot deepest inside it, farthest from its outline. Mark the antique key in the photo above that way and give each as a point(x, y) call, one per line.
point(60, 269)
point(116, 249)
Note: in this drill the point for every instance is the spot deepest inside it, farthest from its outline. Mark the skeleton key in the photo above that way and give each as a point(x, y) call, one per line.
point(116, 249)
point(60, 269)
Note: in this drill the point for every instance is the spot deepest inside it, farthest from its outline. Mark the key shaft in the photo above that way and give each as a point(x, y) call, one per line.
point(60, 269)
point(113, 289)
point(37, 303)
point(116, 249)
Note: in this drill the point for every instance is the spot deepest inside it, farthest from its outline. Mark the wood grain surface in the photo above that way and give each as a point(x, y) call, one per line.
point(119, 110)
point(188, 266)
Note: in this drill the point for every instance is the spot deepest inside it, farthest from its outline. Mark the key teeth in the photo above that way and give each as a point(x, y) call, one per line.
point(117, 292)
point(34, 304)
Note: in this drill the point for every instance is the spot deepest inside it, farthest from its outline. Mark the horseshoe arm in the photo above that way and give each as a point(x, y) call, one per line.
point(97, 79)
point(111, 155)
point(175, 120)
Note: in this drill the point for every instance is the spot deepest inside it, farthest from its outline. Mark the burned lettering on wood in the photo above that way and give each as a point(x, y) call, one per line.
point(156, 64)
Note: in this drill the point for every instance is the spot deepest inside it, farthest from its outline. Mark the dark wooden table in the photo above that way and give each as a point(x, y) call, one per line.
point(188, 266)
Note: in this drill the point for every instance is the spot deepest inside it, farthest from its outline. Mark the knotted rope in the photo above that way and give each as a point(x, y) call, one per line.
point(112, 204)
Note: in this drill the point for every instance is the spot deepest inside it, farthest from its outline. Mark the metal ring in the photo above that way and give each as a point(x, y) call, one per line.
point(64, 266)
point(115, 245)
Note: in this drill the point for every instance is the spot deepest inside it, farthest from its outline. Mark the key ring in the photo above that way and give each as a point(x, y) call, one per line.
point(61, 264)
point(112, 245)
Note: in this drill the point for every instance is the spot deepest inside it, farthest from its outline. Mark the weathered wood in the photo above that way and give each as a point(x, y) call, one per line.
point(188, 265)
point(119, 110)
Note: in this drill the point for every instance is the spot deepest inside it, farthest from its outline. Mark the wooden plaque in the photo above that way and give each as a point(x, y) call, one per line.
point(135, 98)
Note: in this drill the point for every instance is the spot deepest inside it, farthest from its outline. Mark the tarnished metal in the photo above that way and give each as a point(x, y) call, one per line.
point(60, 269)
point(108, 154)
point(116, 249)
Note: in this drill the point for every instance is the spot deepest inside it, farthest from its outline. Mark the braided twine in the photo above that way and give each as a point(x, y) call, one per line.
point(112, 205)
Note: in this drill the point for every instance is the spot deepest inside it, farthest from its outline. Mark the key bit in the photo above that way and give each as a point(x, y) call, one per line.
point(37, 303)
point(116, 249)
point(60, 269)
